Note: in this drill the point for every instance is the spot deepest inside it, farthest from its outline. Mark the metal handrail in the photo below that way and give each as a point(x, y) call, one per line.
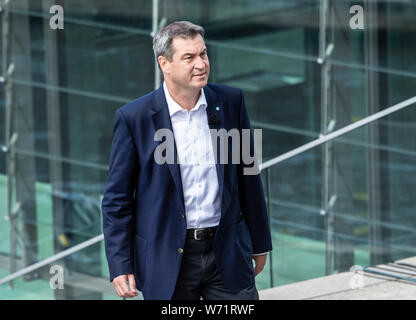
point(335, 134)
point(53, 258)
point(265, 165)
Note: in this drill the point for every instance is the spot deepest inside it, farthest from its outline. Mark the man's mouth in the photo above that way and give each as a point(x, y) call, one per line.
point(200, 74)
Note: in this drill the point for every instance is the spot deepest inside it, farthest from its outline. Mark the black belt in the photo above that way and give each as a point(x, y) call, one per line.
point(201, 233)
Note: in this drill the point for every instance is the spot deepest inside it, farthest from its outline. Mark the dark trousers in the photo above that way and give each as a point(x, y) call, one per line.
point(199, 276)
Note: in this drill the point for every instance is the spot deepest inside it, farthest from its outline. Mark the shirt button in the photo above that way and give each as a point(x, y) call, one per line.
point(180, 250)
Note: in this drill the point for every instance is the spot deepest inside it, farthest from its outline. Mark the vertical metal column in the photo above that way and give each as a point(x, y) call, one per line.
point(54, 134)
point(54, 123)
point(19, 134)
point(10, 138)
point(341, 186)
point(373, 156)
point(24, 126)
point(156, 25)
point(327, 125)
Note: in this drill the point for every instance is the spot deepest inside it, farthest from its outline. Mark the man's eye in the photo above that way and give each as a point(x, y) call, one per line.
point(188, 58)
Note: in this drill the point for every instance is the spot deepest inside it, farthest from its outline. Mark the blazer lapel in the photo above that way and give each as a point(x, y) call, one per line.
point(215, 107)
point(161, 120)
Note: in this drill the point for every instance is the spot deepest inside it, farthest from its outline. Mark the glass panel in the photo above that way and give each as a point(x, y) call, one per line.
point(269, 49)
point(367, 215)
point(125, 14)
point(285, 110)
point(62, 217)
point(90, 57)
point(83, 133)
point(297, 227)
point(392, 42)
point(60, 280)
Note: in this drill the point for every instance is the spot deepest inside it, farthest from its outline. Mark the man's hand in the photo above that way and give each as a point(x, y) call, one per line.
point(260, 262)
point(122, 288)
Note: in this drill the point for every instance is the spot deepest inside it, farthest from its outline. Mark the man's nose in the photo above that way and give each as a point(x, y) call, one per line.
point(199, 63)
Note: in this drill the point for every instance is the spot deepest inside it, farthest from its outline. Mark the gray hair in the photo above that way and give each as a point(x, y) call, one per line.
point(162, 41)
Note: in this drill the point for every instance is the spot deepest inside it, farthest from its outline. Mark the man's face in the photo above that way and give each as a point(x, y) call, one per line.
point(189, 67)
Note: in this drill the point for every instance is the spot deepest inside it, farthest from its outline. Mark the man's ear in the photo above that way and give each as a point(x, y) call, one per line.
point(164, 64)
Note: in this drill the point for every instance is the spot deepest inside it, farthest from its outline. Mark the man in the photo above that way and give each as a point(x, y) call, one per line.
point(190, 229)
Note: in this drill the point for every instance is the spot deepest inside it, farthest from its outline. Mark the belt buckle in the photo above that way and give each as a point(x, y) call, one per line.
point(195, 233)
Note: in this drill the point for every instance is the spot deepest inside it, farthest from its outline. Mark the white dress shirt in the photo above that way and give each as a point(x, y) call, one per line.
point(197, 163)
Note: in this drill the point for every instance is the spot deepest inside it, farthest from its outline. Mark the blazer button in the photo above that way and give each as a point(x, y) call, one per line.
point(180, 250)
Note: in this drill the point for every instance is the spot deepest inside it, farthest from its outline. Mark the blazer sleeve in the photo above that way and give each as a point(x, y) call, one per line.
point(118, 205)
point(251, 195)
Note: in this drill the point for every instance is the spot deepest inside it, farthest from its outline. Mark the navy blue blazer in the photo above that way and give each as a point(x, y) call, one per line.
point(144, 221)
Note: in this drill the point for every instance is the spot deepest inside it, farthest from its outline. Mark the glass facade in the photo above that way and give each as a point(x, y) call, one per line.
point(305, 72)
